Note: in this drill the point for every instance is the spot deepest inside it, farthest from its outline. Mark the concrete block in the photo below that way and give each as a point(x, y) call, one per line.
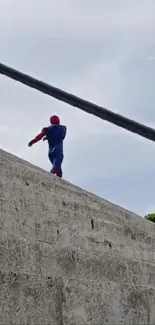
point(68, 257)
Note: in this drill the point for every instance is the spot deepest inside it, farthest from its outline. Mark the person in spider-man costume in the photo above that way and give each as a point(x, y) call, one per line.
point(55, 135)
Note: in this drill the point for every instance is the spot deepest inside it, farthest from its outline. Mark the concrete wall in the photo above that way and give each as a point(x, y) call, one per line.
point(68, 257)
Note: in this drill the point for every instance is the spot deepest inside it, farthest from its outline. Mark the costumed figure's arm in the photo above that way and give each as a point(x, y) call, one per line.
point(42, 134)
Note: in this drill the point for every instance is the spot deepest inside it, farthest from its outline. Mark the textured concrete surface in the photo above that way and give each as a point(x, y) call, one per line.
point(68, 257)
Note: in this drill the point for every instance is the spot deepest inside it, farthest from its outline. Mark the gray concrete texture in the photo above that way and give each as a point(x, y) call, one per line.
point(68, 257)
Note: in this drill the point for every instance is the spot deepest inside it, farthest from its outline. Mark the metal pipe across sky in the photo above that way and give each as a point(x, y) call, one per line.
point(84, 105)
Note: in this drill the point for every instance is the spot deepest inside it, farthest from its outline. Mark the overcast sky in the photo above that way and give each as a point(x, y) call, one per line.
point(101, 50)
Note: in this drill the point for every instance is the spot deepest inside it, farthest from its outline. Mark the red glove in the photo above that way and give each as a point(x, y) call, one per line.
point(30, 143)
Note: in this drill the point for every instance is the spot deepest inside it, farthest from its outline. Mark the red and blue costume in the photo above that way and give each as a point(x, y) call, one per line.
point(55, 135)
